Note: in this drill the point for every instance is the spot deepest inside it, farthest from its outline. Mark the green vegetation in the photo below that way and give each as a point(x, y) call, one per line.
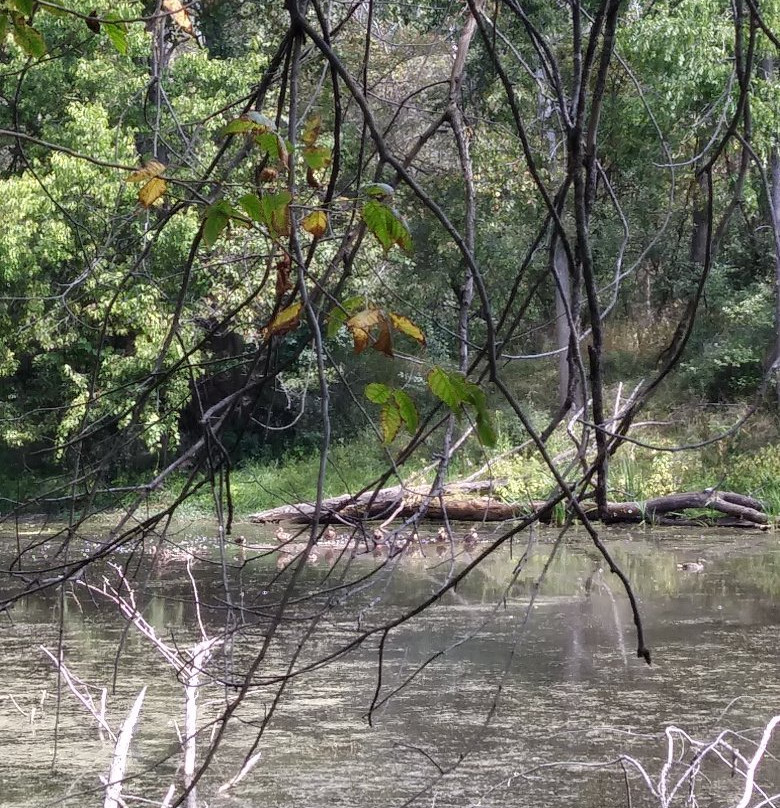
point(191, 265)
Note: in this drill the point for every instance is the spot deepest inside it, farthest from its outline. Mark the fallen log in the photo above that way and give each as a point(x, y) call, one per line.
point(399, 502)
point(738, 510)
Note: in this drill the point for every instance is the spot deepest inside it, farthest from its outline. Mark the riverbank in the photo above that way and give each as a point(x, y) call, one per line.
point(747, 462)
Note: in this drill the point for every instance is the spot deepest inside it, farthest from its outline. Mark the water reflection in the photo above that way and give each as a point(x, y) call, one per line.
point(482, 693)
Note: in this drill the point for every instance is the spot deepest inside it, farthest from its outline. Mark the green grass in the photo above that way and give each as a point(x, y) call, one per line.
point(257, 486)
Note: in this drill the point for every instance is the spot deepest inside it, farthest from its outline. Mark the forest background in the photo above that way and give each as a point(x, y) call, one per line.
point(251, 253)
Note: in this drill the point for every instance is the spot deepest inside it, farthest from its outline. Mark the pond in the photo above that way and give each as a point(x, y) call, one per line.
point(500, 694)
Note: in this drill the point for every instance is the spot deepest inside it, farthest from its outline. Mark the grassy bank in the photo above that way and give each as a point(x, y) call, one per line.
point(747, 462)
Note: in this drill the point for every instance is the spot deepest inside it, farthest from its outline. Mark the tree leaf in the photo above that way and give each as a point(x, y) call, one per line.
point(442, 386)
point(317, 157)
point(179, 15)
point(311, 130)
point(377, 393)
point(236, 127)
point(283, 282)
point(384, 341)
point(407, 410)
point(272, 144)
point(406, 326)
point(336, 319)
point(117, 33)
point(379, 190)
point(92, 22)
point(365, 319)
point(215, 220)
point(338, 316)
point(387, 225)
point(286, 320)
point(251, 204)
point(360, 339)
point(27, 38)
point(315, 223)
point(4, 22)
point(152, 191)
point(276, 212)
point(150, 169)
point(485, 430)
point(389, 422)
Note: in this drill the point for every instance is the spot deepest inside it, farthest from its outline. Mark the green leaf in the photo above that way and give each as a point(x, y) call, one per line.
point(377, 393)
point(117, 33)
point(446, 389)
point(387, 225)
point(407, 410)
point(276, 212)
point(269, 142)
point(379, 190)
point(251, 204)
point(236, 127)
point(389, 422)
point(485, 430)
point(215, 221)
point(317, 157)
point(28, 39)
point(336, 320)
point(339, 315)
point(4, 21)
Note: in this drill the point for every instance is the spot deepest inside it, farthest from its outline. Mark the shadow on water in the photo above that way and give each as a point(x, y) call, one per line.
point(479, 695)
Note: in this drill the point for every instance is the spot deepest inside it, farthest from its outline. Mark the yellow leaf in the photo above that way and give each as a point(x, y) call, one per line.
point(315, 223)
point(406, 326)
point(179, 14)
point(152, 191)
point(311, 130)
point(148, 170)
point(286, 320)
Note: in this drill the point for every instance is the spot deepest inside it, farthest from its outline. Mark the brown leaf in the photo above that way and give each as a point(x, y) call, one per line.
point(179, 14)
point(92, 22)
point(283, 283)
point(312, 180)
point(384, 342)
point(267, 174)
point(152, 191)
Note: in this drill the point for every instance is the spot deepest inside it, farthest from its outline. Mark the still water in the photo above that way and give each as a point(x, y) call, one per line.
point(498, 695)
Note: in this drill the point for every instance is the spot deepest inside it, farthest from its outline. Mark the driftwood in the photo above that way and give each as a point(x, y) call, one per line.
point(398, 502)
point(401, 502)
